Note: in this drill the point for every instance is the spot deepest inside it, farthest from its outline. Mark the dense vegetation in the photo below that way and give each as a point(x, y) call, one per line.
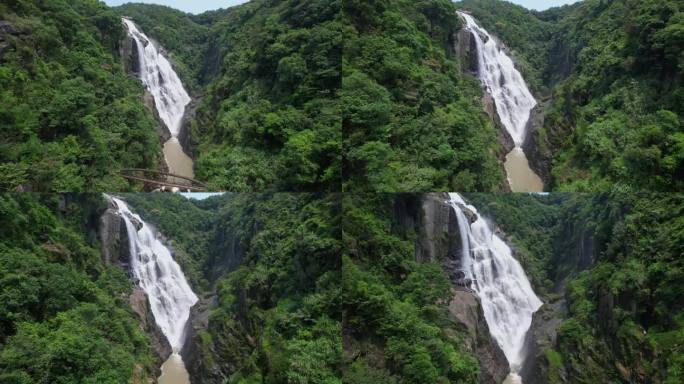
point(267, 73)
point(614, 70)
point(70, 118)
point(626, 319)
point(616, 259)
point(396, 325)
point(64, 314)
point(276, 316)
point(411, 121)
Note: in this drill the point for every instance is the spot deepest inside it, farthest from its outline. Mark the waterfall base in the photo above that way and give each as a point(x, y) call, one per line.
point(178, 162)
point(521, 177)
point(173, 371)
point(513, 378)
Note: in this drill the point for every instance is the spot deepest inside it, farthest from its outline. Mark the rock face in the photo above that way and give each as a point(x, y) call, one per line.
point(538, 158)
point(128, 50)
point(465, 49)
point(113, 238)
point(539, 339)
point(192, 355)
point(466, 308)
point(160, 345)
point(184, 135)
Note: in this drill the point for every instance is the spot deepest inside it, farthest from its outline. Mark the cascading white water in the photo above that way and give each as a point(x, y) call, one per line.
point(513, 101)
point(170, 97)
point(507, 297)
point(160, 79)
point(160, 277)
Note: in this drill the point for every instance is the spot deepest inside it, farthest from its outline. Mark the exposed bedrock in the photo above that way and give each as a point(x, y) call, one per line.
point(467, 309)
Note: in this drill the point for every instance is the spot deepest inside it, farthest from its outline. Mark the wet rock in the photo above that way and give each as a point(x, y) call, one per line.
point(161, 348)
point(466, 308)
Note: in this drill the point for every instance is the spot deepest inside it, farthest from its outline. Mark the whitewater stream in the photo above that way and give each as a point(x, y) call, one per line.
point(500, 282)
point(513, 101)
point(168, 292)
point(170, 97)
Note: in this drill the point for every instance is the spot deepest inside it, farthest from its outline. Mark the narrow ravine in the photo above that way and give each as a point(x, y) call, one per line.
point(170, 97)
point(507, 297)
point(513, 100)
point(168, 291)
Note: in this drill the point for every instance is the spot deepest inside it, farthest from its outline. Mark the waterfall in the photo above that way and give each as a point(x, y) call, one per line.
point(508, 300)
point(160, 80)
point(497, 72)
point(159, 276)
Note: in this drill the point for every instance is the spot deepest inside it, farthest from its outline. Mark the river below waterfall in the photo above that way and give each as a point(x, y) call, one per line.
point(170, 97)
point(173, 371)
point(521, 177)
point(514, 103)
point(178, 162)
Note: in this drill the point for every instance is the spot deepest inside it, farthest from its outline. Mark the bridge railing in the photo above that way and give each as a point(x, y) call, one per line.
point(157, 179)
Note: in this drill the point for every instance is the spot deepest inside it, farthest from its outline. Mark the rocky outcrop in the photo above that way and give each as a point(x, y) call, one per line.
point(191, 352)
point(160, 345)
point(465, 49)
point(185, 132)
point(130, 57)
point(538, 158)
point(540, 340)
point(466, 308)
point(114, 239)
point(7, 29)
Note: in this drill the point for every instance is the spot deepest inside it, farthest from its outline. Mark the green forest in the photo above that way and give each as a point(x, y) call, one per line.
point(329, 95)
point(612, 75)
point(410, 120)
point(266, 74)
point(622, 321)
point(276, 317)
point(70, 117)
point(65, 315)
